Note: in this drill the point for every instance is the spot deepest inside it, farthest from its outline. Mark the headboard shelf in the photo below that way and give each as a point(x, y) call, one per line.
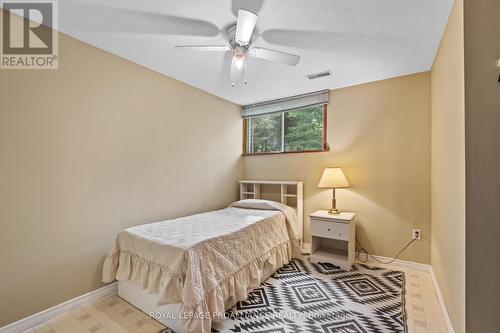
point(287, 192)
point(272, 182)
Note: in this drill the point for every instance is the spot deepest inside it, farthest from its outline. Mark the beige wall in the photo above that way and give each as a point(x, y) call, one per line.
point(87, 150)
point(482, 121)
point(448, 168)
point(379, 134)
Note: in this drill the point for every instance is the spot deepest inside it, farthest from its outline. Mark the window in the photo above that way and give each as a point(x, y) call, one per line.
point(296, 130)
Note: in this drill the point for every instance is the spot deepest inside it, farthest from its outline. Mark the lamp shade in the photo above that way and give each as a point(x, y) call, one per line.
point(333, 178)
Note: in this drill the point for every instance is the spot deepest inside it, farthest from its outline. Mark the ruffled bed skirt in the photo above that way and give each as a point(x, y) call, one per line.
point(198, 317)
point(155, 278)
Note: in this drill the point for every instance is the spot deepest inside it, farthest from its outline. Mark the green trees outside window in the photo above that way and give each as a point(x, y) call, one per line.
point(289, 131)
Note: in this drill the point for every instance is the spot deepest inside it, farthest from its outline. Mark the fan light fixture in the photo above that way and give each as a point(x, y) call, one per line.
point(240, 39)
point(238, 64)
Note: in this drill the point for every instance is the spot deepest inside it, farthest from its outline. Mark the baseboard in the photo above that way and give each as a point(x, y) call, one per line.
point(441, 302)
point(51, 313)
point(398, 262)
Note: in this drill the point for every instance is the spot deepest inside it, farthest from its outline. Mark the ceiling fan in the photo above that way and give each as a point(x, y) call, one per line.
point(240, 38)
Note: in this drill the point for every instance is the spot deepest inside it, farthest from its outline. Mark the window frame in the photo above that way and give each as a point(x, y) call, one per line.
point(325, 144)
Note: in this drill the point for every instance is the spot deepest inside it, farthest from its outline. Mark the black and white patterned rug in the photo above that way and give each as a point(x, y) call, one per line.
point(305, 297)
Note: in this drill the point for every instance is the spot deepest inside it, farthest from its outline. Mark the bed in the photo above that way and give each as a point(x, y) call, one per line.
point(186, 272)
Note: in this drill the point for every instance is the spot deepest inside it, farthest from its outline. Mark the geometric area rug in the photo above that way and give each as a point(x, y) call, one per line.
point(322, 298)
point(305, 297)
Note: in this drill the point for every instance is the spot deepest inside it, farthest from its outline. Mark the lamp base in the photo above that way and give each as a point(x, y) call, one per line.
point(333, 210)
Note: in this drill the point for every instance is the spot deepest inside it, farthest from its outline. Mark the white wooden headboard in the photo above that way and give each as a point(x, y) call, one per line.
point(291, 193)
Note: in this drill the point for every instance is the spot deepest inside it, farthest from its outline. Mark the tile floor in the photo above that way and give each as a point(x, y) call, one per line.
point(113, 315)
point(422, 305)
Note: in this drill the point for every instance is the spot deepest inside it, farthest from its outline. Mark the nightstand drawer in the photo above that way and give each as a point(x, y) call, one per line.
point(331, 230)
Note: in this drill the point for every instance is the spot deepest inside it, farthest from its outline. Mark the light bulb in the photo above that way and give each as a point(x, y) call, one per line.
point(237, 67)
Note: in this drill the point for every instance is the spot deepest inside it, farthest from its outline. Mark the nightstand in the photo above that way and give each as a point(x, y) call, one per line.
point(333, 238)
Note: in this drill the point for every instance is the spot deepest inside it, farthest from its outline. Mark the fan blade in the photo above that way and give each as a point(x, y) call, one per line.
point(253, 6)
point(203, 48)
point(276, 56)
point(244, 26)
point(237, 71)
point(81, 16)
point(331, 42)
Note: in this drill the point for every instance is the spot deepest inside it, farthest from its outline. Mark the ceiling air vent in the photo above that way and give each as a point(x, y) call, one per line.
point(318, 75)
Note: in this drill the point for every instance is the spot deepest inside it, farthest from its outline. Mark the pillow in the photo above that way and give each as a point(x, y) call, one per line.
point(258, 204)
point(294, 227)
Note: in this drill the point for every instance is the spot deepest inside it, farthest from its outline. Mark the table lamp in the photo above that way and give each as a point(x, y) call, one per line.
point(333, 178)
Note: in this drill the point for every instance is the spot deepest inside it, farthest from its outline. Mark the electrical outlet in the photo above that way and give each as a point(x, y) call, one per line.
point(416, 234)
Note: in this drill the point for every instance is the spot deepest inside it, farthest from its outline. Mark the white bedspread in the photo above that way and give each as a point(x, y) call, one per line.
point(207, 262)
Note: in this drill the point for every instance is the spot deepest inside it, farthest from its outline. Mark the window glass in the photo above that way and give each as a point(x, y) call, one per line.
point(265, 133)
point(304, 129)
point(290, 131)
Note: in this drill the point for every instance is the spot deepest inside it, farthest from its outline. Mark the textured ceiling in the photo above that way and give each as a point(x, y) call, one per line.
point(358, 41)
